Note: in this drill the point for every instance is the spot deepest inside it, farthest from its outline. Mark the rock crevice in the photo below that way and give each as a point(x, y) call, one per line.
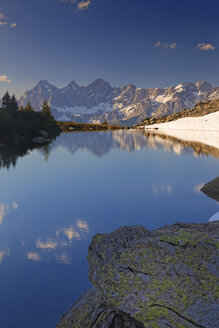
point(162, 278)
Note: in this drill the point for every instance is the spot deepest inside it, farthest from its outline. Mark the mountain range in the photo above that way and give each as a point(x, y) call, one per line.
point(126, 105)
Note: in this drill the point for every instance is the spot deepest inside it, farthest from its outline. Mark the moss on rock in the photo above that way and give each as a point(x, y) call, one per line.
point(163, 278)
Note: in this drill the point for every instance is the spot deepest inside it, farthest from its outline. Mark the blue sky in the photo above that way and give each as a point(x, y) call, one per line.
point(148, 43)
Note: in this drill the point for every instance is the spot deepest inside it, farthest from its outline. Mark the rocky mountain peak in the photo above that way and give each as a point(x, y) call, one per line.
point(99, 84)
point(72, 86)
point(204, 86)
point(99, 88)
point(126, 104)
point(44, 84)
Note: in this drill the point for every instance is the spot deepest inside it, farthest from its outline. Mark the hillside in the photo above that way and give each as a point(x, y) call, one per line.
point(126, 105)
point(200, 109)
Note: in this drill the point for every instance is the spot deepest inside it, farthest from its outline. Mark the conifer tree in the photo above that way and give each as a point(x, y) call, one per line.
point(28, 108)
point(46, 111)
point(21, 108)
point(6, 101)
point(13, 106)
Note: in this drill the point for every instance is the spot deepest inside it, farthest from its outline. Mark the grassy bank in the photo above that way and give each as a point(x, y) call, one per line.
point(71, 126)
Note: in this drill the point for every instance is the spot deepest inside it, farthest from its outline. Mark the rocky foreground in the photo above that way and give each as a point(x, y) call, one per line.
point(140, 278)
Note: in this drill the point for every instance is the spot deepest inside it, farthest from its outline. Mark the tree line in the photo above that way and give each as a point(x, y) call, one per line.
point(10, 105)
point(23, 124)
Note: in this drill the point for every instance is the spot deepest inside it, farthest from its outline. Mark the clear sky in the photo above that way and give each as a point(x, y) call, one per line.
point(148, 43)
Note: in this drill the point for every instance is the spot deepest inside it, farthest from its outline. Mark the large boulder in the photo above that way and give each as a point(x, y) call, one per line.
point(211, 189)
point(162, 278)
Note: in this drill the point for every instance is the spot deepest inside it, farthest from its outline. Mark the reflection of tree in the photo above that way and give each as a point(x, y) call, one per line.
point(10, 153)
point(46, 151)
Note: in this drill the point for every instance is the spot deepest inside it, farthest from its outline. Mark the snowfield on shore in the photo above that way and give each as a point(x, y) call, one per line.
point(208, 122)
point(204, 129)
point(215, 217)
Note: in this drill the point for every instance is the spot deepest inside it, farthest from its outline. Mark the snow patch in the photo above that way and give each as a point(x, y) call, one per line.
point(208, 122)
point(163, 99)
point(101, 108)
point(215, 217)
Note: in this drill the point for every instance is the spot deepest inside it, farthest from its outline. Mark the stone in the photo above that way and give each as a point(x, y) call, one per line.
point(45, 134)
point(141, 278)
point(41, 140)
point(211, 189)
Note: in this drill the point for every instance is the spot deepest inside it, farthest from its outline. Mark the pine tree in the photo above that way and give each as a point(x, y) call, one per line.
point(28, 108)
point(21, 108)
point(13, 106)
point(46, 111)
point(6, 101)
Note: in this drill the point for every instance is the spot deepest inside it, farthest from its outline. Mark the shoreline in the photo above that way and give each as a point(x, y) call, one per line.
point(210, 138)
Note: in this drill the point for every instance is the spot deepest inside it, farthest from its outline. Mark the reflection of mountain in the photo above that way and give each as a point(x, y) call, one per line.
point(100, 143)
point(178, 145)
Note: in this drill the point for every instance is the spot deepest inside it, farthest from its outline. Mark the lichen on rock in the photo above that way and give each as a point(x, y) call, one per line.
point(140, 278)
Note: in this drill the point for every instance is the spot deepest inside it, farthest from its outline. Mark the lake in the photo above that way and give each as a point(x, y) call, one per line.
point(56, 198)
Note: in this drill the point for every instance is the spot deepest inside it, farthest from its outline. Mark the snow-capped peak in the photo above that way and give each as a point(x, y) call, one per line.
point(99, 101)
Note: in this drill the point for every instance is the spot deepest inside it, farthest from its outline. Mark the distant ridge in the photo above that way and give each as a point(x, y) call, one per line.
point(126, 105)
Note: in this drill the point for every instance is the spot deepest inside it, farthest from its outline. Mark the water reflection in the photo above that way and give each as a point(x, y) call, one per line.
point(48, 245)
point(59, 246)
point(33, 256)
point(83, 226)
point(197, 189)
point(3, 212)
point(100, 143)
point(69, 232)
point(5, 208)
point(63, 258)
point(3, 253)
point(10, 153)
point(163, 189)
point(47, 223)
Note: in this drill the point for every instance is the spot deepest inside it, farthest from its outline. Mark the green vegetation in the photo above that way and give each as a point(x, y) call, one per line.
point(22, 125)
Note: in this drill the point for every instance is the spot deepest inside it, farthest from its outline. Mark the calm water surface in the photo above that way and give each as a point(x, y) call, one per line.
point(56, 198)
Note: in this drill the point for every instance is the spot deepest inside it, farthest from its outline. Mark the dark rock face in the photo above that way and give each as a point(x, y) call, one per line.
point(99, 101)
point(211, 189)
point(162, 278)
